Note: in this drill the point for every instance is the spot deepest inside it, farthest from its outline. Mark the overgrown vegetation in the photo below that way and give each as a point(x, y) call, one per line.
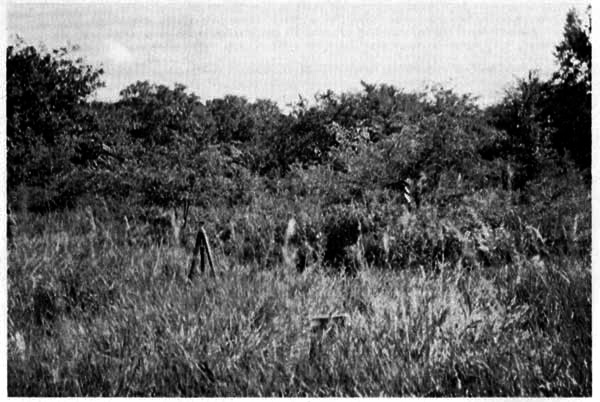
point(457, 239)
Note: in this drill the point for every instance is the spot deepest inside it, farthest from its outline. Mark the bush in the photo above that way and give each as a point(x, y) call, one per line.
point(342, 230)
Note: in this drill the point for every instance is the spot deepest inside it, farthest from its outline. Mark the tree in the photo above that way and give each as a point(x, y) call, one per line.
point(572, 90)
point(268, 121)
point(168, 129)
point(232, 119)
point(574, 52)
point(160, 115)
point(538, 115)
point(46, 93)
point(524, 115)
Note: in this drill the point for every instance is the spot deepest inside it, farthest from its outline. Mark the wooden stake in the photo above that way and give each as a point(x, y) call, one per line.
point(208, 252)
point(197, 251)
point(202, 246)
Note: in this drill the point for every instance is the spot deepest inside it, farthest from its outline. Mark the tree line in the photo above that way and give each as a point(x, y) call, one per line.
point(163, 145)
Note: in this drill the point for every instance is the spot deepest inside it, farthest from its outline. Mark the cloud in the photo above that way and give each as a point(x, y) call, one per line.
point(117, 53)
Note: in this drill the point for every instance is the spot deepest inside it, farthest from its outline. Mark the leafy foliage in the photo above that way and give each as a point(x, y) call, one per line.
point(571, 105)
point(45, 94)
point(554, 115)
point(160, 116)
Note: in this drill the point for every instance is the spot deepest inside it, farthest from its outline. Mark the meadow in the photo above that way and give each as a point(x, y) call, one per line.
point(95, 310)
point(370, 243)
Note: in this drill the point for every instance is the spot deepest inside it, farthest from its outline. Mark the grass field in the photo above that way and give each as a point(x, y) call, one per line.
point(368, 242)
point(93, 314)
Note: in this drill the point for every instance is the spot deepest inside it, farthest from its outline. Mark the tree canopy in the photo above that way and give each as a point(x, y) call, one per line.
point(45, 93)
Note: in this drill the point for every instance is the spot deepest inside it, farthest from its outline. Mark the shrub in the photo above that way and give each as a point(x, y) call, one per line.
point(342, 231)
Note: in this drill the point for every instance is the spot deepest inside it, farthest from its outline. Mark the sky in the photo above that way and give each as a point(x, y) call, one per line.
point(279, 50)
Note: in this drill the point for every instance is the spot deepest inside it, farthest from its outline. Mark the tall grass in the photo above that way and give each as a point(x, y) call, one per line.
point(94, 314)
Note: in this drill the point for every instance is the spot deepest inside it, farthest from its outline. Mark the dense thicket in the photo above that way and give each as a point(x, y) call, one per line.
point(162, 147)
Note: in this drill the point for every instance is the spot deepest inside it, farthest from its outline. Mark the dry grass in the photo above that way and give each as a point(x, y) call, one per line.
point(124, 321)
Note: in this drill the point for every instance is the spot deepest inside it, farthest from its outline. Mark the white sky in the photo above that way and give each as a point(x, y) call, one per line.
point(280, 50)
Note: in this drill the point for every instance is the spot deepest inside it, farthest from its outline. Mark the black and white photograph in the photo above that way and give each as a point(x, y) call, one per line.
point(297, 199)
